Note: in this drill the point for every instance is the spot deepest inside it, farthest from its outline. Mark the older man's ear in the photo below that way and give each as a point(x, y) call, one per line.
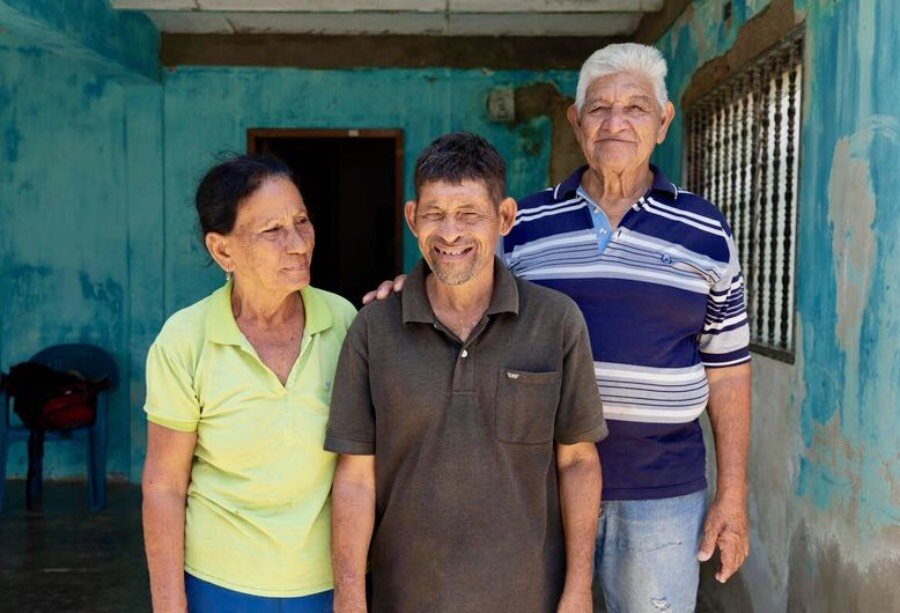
point(574, 120)
point(668, 114)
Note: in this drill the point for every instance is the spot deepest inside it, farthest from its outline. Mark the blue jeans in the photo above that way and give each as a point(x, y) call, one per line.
point(646, 557)
point(204, 597)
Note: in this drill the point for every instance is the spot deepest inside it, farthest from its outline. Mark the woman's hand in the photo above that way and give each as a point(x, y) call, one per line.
point(384, 290)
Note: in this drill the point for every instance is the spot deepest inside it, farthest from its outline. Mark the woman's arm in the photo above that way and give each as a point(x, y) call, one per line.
point(167, 474)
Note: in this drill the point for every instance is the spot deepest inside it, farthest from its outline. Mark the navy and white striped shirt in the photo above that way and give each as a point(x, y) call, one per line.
point(663, 301)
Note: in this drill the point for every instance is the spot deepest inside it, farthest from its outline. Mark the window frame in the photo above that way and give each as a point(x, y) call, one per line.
point(794, 36)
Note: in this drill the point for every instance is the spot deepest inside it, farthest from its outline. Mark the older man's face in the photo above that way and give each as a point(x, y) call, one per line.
point(620, 122)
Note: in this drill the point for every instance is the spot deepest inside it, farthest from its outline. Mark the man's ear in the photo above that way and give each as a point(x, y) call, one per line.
point(217, 245)
point(668, 114)
point(409, 213)
point(507, 211)
point(574, 118)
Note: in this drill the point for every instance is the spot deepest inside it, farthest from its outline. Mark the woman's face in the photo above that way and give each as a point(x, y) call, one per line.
point(271, 245)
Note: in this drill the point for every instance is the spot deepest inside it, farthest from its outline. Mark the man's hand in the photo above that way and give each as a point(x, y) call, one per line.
point(384, 290)
point(729, 415)
point(580, 601)
point(726, 526)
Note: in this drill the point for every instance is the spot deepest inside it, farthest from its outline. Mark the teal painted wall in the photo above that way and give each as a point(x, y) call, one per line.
point(66, 202)
point(124, 43)
point(835, 414)
point(423, 103)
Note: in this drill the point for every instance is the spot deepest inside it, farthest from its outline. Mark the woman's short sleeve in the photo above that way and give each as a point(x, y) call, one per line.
point(171, 400)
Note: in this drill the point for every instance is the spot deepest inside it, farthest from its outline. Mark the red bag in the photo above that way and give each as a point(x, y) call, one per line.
point(45, 399)
point(73, 406)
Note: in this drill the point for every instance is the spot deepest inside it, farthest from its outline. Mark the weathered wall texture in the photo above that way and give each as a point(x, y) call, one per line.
point(825, 466)
point(124, 44)
point(67, 208)
point(423, 103)
point(100, 159)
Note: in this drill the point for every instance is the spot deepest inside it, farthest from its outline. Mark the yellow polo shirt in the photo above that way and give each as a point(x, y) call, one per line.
point(258, 508)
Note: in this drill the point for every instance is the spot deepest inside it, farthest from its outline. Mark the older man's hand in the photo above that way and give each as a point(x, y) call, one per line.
point(726, 527)
point(384, 290)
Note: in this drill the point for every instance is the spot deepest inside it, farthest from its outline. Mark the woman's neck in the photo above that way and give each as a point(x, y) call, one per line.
point(264, 307)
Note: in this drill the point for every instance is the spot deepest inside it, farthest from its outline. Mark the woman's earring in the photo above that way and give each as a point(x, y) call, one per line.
point(228, 276)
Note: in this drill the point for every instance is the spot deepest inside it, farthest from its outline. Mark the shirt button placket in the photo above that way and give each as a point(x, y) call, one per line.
point(466, 370)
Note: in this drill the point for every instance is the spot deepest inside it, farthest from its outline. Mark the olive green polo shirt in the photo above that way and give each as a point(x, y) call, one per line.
point(467, 499)
point(258, 508)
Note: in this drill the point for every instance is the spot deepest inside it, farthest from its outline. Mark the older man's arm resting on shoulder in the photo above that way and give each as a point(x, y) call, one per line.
point(578, 471)
point(726, 523)
point(352, 523)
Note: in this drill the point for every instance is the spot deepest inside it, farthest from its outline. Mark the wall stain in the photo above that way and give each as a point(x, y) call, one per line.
point(11, 140)
point(546, 100)
point(823, 580)
point(851, 211)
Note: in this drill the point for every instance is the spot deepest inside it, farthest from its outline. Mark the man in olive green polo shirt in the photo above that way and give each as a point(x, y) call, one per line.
point(465, 411)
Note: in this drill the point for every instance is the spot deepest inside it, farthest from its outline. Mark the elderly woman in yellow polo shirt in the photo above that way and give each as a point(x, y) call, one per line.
point(236, 483)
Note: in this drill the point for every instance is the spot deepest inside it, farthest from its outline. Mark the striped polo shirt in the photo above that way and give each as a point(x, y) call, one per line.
point(663, 301)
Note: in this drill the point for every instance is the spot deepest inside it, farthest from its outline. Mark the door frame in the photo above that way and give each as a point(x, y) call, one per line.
point(254, 134)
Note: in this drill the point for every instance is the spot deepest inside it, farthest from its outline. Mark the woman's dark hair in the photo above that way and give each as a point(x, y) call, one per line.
point(458, 156)
point(227, 183)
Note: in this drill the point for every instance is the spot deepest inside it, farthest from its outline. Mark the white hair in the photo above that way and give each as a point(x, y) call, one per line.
point(638, 60)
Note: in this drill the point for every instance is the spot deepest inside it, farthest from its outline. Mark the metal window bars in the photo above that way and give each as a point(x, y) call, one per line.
point(743, 155)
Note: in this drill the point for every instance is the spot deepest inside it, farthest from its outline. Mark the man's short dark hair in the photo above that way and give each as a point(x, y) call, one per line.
point(455, 157)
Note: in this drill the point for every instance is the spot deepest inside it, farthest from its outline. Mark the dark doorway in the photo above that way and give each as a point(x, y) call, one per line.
point(351, 183)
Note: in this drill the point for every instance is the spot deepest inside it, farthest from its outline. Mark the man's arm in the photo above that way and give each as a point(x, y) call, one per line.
point(726, 523)
point(164, 483)
point(352, 522)
point(578, 470)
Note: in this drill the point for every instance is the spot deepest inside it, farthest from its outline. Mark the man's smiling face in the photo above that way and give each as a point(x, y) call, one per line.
point(457, 226)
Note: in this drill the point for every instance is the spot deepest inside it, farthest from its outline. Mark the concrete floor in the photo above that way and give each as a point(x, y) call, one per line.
point(65, 559)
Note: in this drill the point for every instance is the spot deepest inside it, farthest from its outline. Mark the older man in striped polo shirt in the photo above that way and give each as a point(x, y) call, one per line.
point(654, 270)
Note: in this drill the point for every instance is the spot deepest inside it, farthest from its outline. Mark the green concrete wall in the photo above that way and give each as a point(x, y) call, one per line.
point(825, 466)
point(68, 205)
point(124, 44)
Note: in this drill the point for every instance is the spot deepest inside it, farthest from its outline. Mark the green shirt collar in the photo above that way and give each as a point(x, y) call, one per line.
point(223, 329)
point(417, 309)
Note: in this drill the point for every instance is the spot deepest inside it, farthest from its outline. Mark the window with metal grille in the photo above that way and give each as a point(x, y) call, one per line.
point(743, 141)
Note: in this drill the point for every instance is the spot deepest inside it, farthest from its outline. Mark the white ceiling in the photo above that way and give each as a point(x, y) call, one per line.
point(422, 17)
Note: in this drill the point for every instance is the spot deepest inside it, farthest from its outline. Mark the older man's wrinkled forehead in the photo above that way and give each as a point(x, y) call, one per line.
point(622, 87)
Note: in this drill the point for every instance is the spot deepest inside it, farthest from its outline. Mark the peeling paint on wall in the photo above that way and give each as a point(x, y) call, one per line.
point(839, 400)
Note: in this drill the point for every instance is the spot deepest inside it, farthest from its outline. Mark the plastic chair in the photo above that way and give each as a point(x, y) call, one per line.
point(94, 363)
